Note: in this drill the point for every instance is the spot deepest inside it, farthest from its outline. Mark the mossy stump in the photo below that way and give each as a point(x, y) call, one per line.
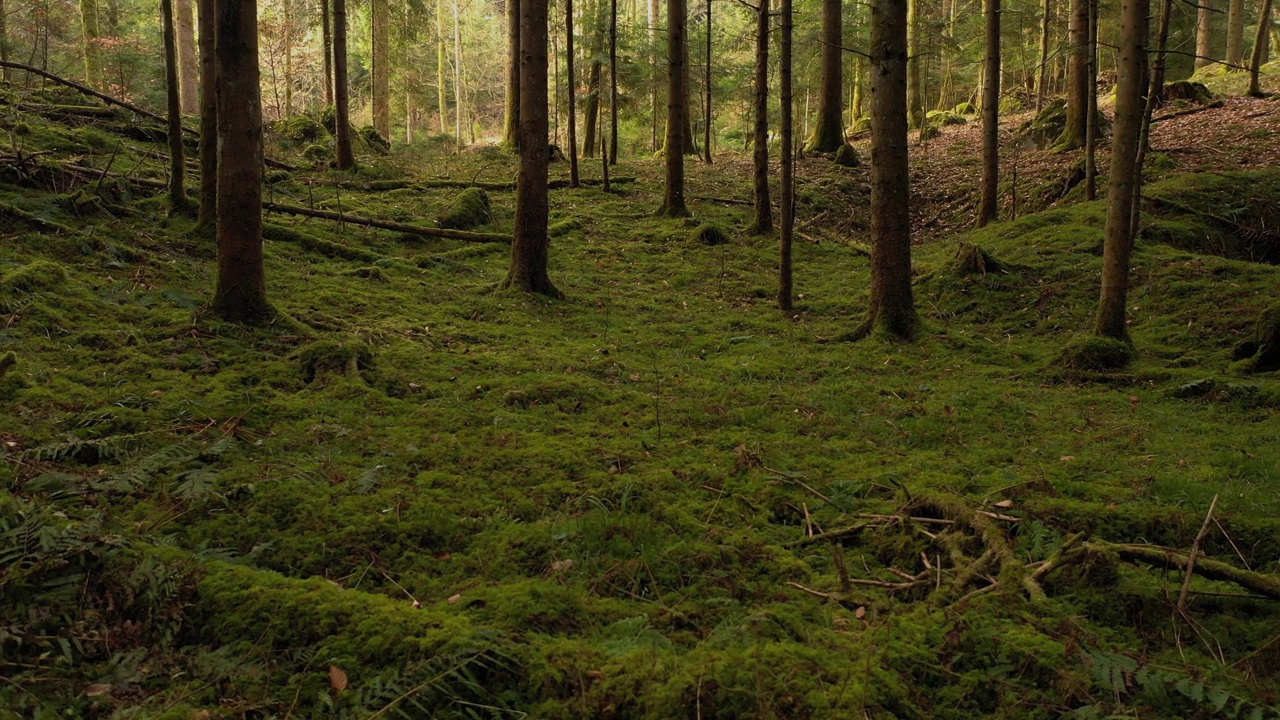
point(470, 208)
point(709, 234)
point(352, 359)
point(1095, 354)
point(973, 260)
point(847, 156)
point(1261, 353)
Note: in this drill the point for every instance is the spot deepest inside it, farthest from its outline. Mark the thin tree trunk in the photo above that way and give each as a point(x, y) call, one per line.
point(1042, 76)
point(511, 120)
point(442, 95)
point(654, 75)
point(706, 82)
point(785, 289)
point(1235, 32)
point(1078, 90)
point(188, 65)
point(1091, 109)
point(288, 57)
point(690, 140)
point(1155, 96)
point(828, 131)
point(915, 89)
point(4, 39)
point(1259, 49)
point(92, 51)
point(408, 117)
point(458, 89)
point(991, 117)
point(673, 204)
point(177, 155)
point(380, 30)
point(595, 74)
point(345, 159)
point(1204, 33)
point(530, 246)
point(763, 223)
point(857, 100)
point(892, 306)
point(208, 217)
point(1118, 245)
point(613, 82)
point(574, 180)
point(326, 29)
point(240, 294)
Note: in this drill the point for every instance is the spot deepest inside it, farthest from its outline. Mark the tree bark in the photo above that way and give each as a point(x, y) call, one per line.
point(915, 89)
point(92, 52)
point(1042, 72)
point(1091, 108)
point(4, 39)
point(1204, 33)
point(530, 246)
point(188, 65)
point(177, 155)
point(442, 95)
point(788, 157)
point(655, 84)
point(892, 307)
point(326, 30)
point(706, 81)
point(208, 217)
point(613, 82)
point(673, 204)
point(1155, 91)
point(345, 159)
point(763, 223)
point(380, 26)
point(828, 131)
point(1118, 245)
point(1235, 32)
point(511, 119)
point(573, 93)
point(240, 295)
point(459, 91)
point(990, 116)
point(1073, 134)
point(594, 75)
point(1259, 49)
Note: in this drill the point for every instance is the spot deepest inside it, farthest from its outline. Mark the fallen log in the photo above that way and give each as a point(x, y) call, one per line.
point(387, 225)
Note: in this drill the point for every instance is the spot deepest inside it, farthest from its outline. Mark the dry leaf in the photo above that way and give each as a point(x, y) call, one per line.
point(453, 599)
point(860, 613)
point(1005, 504)
point(561, 565)
point(595, 674)
point(1067, 458)
point(97, 689)
point(337, 678)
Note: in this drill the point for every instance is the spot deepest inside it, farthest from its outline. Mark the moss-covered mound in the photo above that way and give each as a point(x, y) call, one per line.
point(709, 234)
point(470, 208)
point(1095, 354)
point(847, 156)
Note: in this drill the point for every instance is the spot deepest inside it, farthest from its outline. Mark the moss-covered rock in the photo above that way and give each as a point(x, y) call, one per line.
point(564, 227)
point(847, 156)
point(349, 357)
point(1095, 354)
point(1046, 127)
point(1188, 91)
point(861, 125)
point(318, 153)
point(299, 130)
point(709, 234)
point(7, 361)
point(965, 108)
point(945, 117)
point(470, 208)
point(1261, 353)
point(373, 140)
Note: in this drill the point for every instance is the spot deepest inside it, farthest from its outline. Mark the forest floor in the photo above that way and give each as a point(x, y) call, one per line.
point(413, 495)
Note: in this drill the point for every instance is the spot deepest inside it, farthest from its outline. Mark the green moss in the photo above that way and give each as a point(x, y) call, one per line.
point(1261, 352)
point(7, 361)
point(373, 140)
point(564, 227)
point(316, 244)
point(709, 234)
point(351, 358)
point(300, 130)
point(34, 277)
point(1095, 354)
point(470, 208)
point(847, 156)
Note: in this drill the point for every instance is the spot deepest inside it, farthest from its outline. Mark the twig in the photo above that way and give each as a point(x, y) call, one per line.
point(1191, 558)
point(831, 535)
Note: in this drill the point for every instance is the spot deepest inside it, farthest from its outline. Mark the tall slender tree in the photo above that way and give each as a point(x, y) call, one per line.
point(326, 40)
point(240, 294)
point(530, 246)
point(1259, 49)
point(613, 82)
point(1204, 33)
point(595, 75)
point(1091, 109)
point(92, 44)
point(574, 180)
point(1078, 90)
point(1235, 32)
point(178, 202)
point(785, 280)
point(511, 120)
point(1042, 70)
point(673, 204)
point(345, 158)
point(763, 223)
point(828, 128)
point(380, 42)
point(707, 87)
point(208, 217)
point(1122, 177)
point(892, 306)
point(442, 92)
point(990, 115)
point(188, 65)
point(915, 85)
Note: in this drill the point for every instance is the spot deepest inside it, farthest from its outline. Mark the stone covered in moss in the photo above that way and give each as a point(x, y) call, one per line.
point(847, 156)
point(470, 208)
point(300, 130)
point(373, 140)
point(1095, 354)
point(1261, 353)
point(351, 358)
point(709, 234)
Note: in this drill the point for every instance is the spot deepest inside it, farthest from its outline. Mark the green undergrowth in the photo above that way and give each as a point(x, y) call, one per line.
point(453, 501)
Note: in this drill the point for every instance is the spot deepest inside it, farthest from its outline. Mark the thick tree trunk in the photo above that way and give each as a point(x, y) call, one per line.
point(613, 82)
point(892, 307)
point(990, 116)
point(1042, 72)
point(1118, 245)
point(763, 223)
point(915, 88)
point(188, 65)
point(177, 155)
point(828, 131)
point(1235, 32)
point(326, 32)
point(1259, 49)
point(208, 217)
point(530, 246)
point(511, 119)
point(573, 93)
point(1073, 134)
point(1204, 33)
point(241, 294)
point(92, 52)
point(380, 26)
point(673, 204)
point(345, 159)
point(788, 158)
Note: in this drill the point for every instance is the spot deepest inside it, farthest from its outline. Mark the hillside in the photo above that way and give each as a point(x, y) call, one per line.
point(413, 495)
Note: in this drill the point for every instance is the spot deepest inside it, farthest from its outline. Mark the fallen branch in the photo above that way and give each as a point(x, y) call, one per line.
point(1260, 583)
point(1191, 558)
point(387, 225)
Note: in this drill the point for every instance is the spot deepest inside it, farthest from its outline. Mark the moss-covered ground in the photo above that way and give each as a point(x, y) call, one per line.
point(416, 496)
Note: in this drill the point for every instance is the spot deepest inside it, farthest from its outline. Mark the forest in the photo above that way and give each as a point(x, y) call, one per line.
point(597, 359)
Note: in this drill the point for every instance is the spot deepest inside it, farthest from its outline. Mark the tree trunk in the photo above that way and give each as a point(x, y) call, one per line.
point(677, 96)
point(788, 158)
point(915, 89)
point(380, 25)
point(706, 81)
point(613, 82)
point(177, 155)
point(188, 65)
point(828, 131)
point(1155, 92)
point(1235, 32)
point(345, 159)
point(856, 99)
point(655, 84)
point(326, 29)
point(1204, 33)
point(511, 120)
point(530, 245)
point(92, 52)
point(1259, 49)
point(1118, 246)
point(594, 76)
point(1078, 90)
point(208, 217)
point(4, 39)
point(1042, 74)
point(574, 180)
point(241, 294)
point(459, 99)
point(763, 223)
point(1091, 108)
point(690, 143)
point(287, 31)
point(442, 95)
point(991, 116)
point(892, 307)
